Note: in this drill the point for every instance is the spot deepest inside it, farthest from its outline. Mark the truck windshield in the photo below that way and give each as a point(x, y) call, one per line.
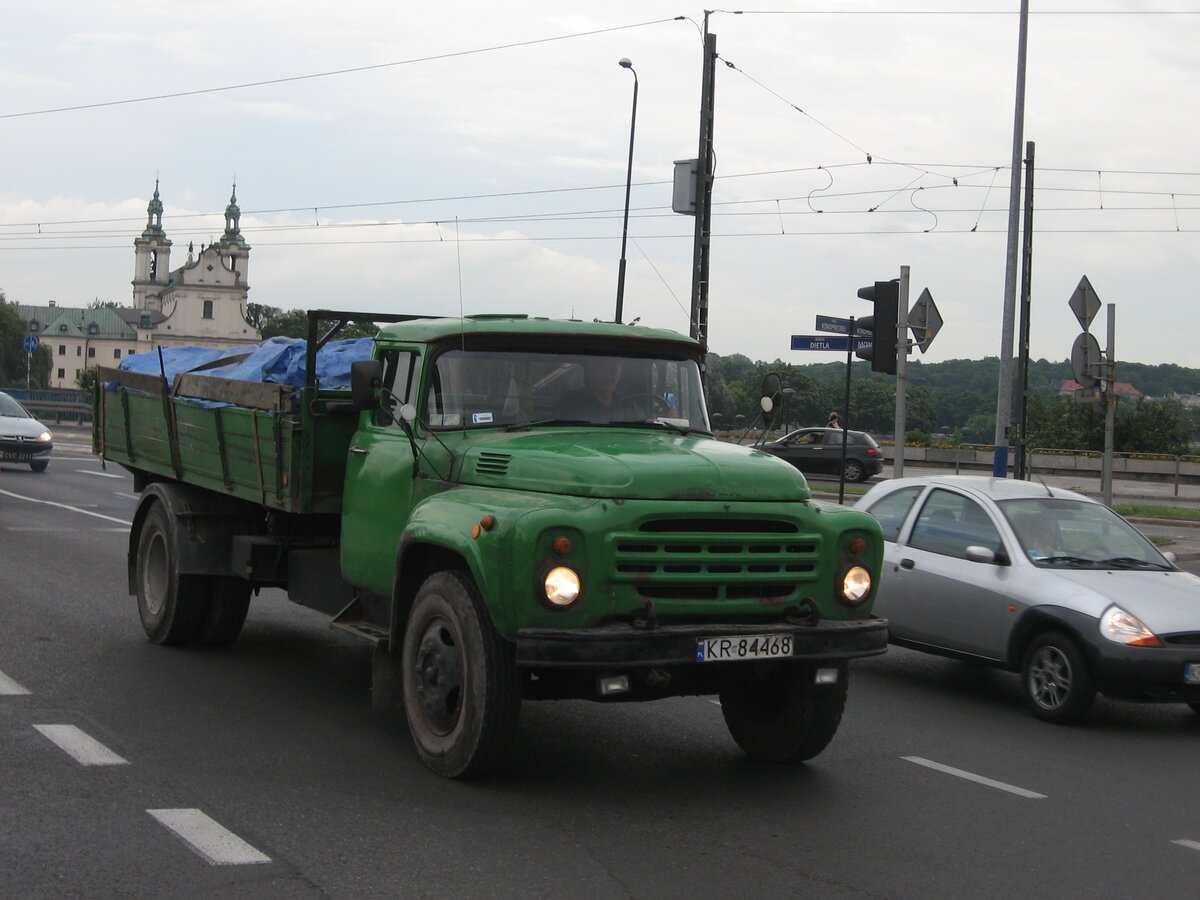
point(488, 387)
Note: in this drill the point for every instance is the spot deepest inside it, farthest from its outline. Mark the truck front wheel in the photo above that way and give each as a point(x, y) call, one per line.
point(461, 693)
point(172, 606)
point(781, 715)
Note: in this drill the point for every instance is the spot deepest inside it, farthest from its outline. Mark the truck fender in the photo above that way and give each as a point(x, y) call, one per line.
point(203, 524)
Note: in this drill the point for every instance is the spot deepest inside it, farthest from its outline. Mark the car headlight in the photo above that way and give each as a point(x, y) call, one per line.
point(1125, 628)
point(561, 586)
point(45, 437)
point(856, 585)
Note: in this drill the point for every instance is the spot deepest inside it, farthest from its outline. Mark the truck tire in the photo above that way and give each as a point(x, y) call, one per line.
point(461, 693)
point(172, 606)
point(228, 601)
point(782, 716)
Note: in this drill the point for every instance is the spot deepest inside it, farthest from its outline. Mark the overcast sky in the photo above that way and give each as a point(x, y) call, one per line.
point(469, 156)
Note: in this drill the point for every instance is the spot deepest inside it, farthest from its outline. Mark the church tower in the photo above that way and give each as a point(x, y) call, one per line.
point(234, 252)
point(152, 258)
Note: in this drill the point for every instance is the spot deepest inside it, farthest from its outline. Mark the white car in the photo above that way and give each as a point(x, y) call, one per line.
point(1037, 580)
point(23, 439)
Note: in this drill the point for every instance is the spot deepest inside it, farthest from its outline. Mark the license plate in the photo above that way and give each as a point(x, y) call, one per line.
point(1191, 673)
point(16, 457)
point(743, 646)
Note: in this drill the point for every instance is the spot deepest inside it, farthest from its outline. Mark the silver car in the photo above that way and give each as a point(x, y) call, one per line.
point(23, 439)
point(1038, 580)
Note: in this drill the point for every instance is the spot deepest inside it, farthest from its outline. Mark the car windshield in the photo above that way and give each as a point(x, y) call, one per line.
point(10, 407)
point(1061, 533)
point(481, 388)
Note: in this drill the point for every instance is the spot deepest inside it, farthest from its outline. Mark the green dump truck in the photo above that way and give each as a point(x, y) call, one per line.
point(508, 508)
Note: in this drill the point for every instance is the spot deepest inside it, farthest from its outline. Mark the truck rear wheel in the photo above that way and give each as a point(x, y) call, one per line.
point(172, 606)
point(461, 693)
point(228, 601)
point(781, 716)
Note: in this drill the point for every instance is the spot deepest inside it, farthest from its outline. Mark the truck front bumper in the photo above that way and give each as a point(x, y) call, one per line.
point(622, 646)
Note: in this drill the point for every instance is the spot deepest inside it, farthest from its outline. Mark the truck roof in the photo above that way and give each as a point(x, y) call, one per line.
point(433, 329)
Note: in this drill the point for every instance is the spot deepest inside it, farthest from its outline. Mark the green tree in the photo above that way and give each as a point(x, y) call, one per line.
point(15, 363)
point(294, 324)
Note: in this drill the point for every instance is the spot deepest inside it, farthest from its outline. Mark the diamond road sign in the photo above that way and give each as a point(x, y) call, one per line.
point(1084, 303)
point(827, 342)
point(925, 320)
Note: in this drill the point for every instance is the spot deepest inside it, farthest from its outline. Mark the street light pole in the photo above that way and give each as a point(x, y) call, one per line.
point(626, 63)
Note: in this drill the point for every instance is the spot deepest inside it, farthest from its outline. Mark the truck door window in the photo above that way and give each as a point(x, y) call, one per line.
point(399, 367)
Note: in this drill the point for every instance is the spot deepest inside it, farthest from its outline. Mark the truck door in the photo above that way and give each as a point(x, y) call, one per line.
point(377, 496)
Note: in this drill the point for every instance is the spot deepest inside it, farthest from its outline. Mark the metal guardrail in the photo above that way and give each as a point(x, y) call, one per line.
point(55, 406)
point(1156, 466)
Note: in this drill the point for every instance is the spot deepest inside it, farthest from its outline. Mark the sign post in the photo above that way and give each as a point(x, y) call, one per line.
point(30, 344)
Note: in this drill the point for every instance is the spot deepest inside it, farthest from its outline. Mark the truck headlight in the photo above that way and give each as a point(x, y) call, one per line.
point(562, 586)
point(856, 585)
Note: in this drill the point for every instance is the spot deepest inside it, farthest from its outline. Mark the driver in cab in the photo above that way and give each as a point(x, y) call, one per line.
point(596, 401)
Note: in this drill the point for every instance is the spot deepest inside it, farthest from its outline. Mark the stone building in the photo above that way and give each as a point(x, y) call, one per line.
point(201, 303)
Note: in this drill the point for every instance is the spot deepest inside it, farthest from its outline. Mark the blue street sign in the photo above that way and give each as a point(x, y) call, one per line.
point(30, 343)
point(833, 324)
point(826, 342)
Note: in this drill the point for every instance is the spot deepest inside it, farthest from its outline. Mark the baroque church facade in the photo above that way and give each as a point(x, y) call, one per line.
point(200, 303)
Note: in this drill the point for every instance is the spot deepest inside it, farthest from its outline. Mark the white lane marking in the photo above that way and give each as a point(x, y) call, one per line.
point(978, 779)
point(126, 496)
point(84, 749)
point(10, 688)
point(211, 840)
point(1191, 845)
point(66, 506)
point(98, 474)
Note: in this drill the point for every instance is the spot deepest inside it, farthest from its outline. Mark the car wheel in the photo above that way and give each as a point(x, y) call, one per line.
point(1058, 686)
point(854, 470)
point(461, 691)
point(228, 601)
point(172, 606)
point(39, 465)
point(783, 717)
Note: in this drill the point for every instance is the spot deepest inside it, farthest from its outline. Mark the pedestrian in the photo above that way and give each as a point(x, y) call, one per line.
point(833, 421)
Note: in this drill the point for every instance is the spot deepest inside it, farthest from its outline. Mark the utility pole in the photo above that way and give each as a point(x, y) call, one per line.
point(901, 374)
point(704, 186)
point(1022, 471)
point(1004, 387)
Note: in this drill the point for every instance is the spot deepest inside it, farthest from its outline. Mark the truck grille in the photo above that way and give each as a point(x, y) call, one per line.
point(491, 463)
point(716, 559)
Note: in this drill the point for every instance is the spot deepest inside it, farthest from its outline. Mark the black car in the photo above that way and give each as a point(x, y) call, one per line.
point(819, 450)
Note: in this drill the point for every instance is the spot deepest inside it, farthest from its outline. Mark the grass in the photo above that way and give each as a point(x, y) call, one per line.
point(1181, 513)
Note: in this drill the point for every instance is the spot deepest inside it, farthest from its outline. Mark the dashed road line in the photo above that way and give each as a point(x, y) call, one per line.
point(978, 779)
point(217, 844)
point(9, 688)
point(85, 512)
point(98, 474)
point(1191, 845)
point(84, 749)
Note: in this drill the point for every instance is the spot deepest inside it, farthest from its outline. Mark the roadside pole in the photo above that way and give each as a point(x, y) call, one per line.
point(901, 375)
point(1110, 407)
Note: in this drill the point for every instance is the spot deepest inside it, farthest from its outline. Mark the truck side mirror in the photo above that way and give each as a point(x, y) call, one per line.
point(366, 377)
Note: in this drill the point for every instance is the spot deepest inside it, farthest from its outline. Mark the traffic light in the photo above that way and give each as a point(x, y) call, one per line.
point(882, 325)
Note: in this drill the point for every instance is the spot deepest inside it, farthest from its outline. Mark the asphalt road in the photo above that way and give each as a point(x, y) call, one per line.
point(261, 771)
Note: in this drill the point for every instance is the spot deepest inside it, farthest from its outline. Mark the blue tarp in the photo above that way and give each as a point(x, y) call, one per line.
point(277, 360)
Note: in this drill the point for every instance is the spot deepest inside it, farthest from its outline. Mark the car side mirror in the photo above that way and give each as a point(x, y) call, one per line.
point(366, 377)
point(1170, 557)
point(978, 554)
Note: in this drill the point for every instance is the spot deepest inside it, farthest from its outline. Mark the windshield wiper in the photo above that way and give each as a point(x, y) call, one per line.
point(1069, 560)
point(517, 426)
point(653, 423)
point(1129, 562)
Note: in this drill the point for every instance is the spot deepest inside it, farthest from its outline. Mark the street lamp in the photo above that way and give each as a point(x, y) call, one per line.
point(626, 63)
